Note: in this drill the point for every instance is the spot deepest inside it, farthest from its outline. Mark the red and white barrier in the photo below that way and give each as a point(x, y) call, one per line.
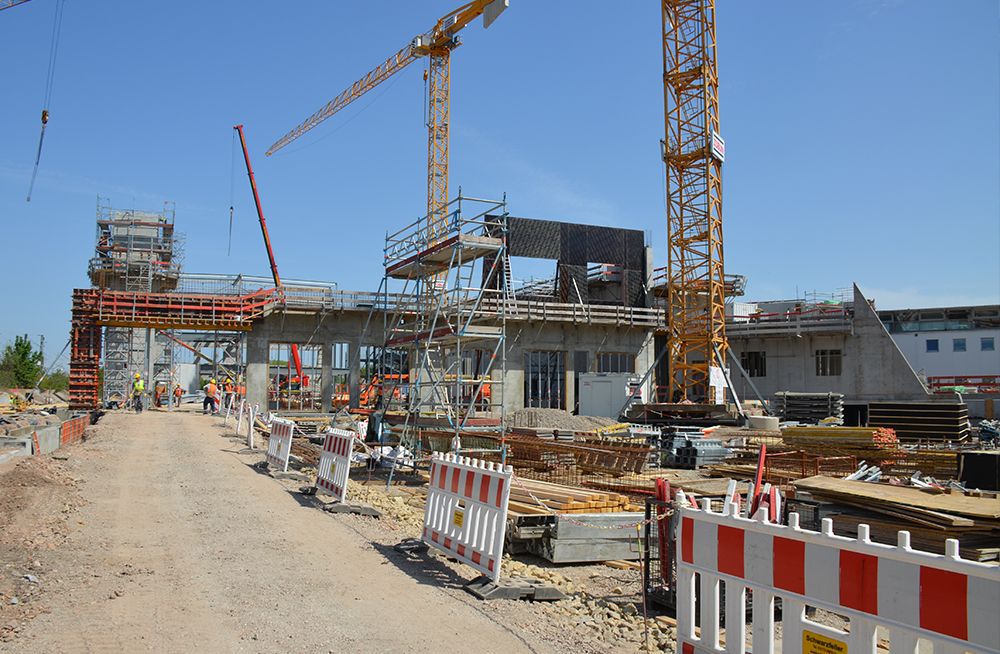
point(916, 596)
point(279, 444)
point(335, 463)
point(466, 512)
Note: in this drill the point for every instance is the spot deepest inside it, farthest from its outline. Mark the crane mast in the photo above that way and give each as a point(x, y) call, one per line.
point(693, 153)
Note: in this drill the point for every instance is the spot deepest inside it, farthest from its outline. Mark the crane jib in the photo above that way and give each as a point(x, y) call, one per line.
point(441, 36)
point(387, 69)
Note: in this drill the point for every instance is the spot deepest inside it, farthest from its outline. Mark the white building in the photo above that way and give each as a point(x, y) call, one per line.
point(953, 342)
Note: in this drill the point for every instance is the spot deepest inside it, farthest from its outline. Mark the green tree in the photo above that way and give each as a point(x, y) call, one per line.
point(20, 366)
point(57, 380)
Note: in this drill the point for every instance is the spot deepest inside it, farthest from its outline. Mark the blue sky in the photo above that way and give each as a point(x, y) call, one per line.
point(863, 137)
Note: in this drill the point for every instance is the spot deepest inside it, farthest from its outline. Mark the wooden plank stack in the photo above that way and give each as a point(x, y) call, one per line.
point(922, 421)
point(834, 441)
point(930, 515)
point(564, 499)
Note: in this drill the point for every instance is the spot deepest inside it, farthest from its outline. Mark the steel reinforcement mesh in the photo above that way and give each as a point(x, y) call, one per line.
point(623, 469)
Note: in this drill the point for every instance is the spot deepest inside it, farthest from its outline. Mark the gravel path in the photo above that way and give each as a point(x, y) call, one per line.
point(165, 538)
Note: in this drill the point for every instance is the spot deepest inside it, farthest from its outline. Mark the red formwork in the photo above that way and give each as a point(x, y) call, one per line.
point(71, 431)
point(94, 308)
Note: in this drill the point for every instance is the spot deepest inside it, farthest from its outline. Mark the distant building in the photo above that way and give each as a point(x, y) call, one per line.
point(961, 343)
point(846, 347)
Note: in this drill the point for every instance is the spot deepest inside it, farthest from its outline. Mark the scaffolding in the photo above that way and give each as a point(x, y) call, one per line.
point(139, 252)
point(452, 333)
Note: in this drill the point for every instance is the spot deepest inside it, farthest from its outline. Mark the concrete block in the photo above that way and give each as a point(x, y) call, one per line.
point(525, 588)
point(358, 508)
point(769, 423)
point(21, 444)
point(8, 453)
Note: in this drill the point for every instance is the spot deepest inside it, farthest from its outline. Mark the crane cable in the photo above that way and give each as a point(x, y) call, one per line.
point(232, 191)
point(53, 50)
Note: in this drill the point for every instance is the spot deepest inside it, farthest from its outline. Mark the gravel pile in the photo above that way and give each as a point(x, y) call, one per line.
point(557, 419)
point(604, 619)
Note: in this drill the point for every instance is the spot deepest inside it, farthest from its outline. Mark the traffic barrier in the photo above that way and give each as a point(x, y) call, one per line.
point(229, 408)
point(279, 444)
point(944, 600)
point(335, 463)
point(466, 512)
point(239, 417)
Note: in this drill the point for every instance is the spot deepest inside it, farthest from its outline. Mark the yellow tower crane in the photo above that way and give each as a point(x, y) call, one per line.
point(693, 152)
point(437, 43)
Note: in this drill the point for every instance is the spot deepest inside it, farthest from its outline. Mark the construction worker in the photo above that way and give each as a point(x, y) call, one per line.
point(138, 389)
point(210, 392)
point(178, 391)
point(227, 391)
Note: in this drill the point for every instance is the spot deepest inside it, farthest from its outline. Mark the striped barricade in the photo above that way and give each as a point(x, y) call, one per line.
point(466, 510)
point(335, 463)
point(279, 444)
point(917, 596)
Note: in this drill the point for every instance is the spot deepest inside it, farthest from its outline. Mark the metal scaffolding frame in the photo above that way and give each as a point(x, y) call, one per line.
point(140, 252)
point(454, 328)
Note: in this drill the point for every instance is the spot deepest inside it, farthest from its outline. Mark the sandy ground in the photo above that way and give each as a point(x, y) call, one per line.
point(156, 534)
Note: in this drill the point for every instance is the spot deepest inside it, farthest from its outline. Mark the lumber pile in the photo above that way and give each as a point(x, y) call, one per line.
point(922, 421)
point(564, 499)
point(835, 441)
point(930, 515)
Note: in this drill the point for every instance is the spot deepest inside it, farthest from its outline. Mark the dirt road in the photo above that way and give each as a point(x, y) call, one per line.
point(166, 539)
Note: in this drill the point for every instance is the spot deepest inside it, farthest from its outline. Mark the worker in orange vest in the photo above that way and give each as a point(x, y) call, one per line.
point(227, 390)
point(210, 392)
point(178, 391)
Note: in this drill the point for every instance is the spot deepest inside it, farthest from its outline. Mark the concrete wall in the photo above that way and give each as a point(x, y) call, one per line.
point(325, 330)
point(570, 338)
point(873, 368)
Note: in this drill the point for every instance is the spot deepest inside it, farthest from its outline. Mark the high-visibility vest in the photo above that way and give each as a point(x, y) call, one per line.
point(210, 390)
point(178, 392)
point(139, 386)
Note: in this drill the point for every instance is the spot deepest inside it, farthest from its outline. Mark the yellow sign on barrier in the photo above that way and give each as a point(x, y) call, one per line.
point(817, 644)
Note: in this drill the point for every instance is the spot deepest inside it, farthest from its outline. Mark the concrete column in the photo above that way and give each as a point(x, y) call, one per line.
point(256, 373)
point(327, 374)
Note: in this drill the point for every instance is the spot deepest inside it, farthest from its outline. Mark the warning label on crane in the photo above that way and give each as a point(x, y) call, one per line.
point(718, 147)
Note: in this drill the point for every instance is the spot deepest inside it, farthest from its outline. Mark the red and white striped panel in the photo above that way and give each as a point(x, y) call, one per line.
point(335, 463)
point(466, 512)
point(929, 594)
point(279, 444)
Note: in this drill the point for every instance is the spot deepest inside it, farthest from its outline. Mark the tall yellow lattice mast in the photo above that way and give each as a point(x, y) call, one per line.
point(693, 153)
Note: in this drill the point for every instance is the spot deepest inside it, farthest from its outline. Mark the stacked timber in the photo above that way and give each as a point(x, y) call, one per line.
point(563, 499)
point(838, 441)
point(930, 515)
point(692, 482)
point(876, 445)
point(922, 421)
point(808, 407)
